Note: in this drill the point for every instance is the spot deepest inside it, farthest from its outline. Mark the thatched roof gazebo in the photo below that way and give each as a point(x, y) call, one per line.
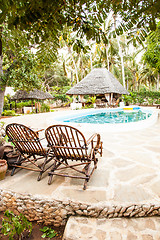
point(98, 82)
point(35, 94)
point(32, 95)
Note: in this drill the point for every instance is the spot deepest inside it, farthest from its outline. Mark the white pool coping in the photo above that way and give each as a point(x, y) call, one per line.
point(106, 127)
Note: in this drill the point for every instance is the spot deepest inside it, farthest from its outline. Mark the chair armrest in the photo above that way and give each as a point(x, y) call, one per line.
point(40, 130)
point(40, 139)
point(92, 137)
point(37, 131)
point(96, 145)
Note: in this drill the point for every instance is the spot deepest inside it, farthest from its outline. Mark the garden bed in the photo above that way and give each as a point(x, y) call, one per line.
point(36, 233)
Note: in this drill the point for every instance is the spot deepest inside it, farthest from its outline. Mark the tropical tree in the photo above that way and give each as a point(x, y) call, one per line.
point(44, 20)
point(148, 76)
point(78, 52)
point(55, 77)
point(22, 73)
point(152, 54)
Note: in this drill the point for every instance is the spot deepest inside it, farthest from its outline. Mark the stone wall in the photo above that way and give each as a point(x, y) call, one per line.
point(57, 212)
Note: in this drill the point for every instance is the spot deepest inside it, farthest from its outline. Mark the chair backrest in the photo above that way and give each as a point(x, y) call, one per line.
point(67, 142)
point(24, 139)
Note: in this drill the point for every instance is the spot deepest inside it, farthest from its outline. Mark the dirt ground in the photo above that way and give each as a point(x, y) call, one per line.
point(36, 233)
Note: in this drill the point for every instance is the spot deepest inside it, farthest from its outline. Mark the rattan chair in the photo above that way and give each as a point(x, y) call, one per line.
point(31, 154)
point(69, 144)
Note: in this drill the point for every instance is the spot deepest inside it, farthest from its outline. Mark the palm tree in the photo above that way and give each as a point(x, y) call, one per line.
point(148, 76)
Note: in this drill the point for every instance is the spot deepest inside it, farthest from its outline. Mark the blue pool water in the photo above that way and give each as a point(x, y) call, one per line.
point(111, 117)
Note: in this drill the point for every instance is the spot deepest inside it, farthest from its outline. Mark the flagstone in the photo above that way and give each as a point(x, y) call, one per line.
point(134, 194)
point(128, 174)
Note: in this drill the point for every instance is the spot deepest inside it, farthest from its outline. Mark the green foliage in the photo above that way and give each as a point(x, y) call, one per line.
point(60, 89)
point(127, 99)
point(9, 113)
point(6, 103)
point(88, 106)
point(48, 232)
point(69, 100)
point(62, 97)
point(42, 21)
point(25, 104)
point(2, 133)
point(152, 56)
point(141, 97)
point(45, 107)
point(55, 77)
point(148, 94)
point(22, 73)
point(92, 99)
point(15, 225)
point(18, 104)
point(150, 101)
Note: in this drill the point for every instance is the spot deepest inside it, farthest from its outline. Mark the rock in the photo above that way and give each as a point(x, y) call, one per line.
point(146, 208)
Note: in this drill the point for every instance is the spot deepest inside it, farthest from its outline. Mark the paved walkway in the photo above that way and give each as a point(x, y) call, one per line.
point(80, 228)
point(127, 174)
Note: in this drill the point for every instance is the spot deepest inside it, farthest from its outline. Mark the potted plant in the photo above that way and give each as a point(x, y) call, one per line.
point(3, 163)
point(7, 152)
point(3, 168)
point(11, 157)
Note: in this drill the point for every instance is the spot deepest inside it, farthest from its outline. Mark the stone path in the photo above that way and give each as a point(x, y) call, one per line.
point(81, 228)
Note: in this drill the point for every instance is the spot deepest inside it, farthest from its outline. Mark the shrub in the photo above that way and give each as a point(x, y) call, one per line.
point(8, 113)
point(45, 107)
point(62, 97)
point(48, 232)
point(142, 96)
point(91, 99)
point(15, 225)
point(24, 104)
point(88, 106)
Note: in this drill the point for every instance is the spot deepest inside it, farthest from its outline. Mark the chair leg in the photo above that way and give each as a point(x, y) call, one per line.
point(85, 184)
point(13, 170)
point(52, 170)
point(17, 163)
point(101, 150)
point(50, 179)
point(39, 176)
point(87, 176)
point(54, 167)
point(42, 168)
point(95, 163)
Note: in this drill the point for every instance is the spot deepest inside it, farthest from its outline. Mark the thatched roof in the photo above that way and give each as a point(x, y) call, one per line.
point(98, 81)
point(35, 94)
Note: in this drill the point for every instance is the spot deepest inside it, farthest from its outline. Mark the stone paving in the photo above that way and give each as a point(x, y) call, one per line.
point(80, 228)
point(128, 174)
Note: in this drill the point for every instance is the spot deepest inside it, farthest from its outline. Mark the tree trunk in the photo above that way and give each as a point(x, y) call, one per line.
point(107, 57)
point(90, 55)
point(2, 88)
point(158, 78)
point(91, 60)
point(122, 61)
point(127, 83)
point(74, 63)
point(71, 79)
point(120, 53)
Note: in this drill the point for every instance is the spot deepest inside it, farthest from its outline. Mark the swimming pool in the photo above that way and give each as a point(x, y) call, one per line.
point(112, 117)
point(148, 117)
